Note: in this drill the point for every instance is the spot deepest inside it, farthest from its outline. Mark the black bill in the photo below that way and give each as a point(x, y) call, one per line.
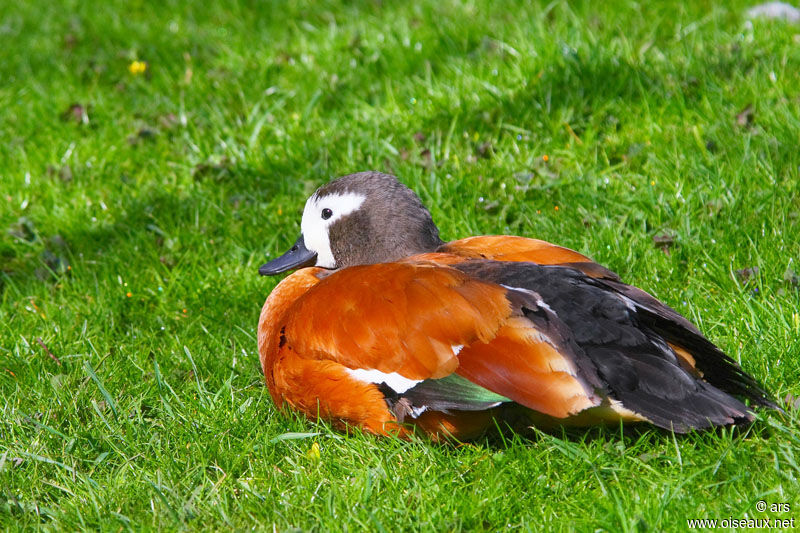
point(298, 256)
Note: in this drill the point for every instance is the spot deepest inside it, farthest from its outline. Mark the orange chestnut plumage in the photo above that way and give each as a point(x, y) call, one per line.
point(388, 328)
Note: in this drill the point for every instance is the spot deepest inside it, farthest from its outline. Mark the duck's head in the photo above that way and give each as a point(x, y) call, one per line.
point(359, 219)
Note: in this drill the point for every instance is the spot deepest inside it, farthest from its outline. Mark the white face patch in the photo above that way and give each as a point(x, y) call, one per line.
point(315, 228)
point(395, 381)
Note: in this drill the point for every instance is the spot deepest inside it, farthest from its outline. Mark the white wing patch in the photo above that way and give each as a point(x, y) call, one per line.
point(535, 295)
point(315, 228)
point(393, 380)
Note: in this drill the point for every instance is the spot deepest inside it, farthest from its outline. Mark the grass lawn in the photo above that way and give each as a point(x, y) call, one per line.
point(137, 201)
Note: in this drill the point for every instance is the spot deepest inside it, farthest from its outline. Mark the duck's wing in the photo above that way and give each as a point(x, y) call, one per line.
point(695, 352)
point(521, 249)
point(648, 357)
point(414, 339)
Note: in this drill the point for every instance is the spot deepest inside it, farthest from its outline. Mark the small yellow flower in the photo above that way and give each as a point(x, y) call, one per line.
point(137, 67)
point(313, 452)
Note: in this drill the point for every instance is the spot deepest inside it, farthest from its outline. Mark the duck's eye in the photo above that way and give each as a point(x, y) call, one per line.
point(326, 214)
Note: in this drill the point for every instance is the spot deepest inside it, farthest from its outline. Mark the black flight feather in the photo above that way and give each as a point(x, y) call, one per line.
point(623, 332)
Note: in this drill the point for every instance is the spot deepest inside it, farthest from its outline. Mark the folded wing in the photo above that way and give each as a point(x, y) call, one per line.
point(649, 358)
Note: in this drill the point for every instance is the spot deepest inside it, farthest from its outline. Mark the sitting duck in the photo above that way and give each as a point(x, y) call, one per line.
point(384, 327)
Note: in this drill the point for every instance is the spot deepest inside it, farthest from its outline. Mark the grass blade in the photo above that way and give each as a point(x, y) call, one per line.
point(103, 391)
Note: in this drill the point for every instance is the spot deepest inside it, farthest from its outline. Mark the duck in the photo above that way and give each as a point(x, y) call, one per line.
point(385, 327)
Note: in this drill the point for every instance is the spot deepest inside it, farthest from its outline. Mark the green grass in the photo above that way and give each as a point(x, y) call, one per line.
point(129, 244)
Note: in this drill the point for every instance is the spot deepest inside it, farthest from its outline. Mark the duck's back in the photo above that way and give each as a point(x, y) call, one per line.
point(522, 249)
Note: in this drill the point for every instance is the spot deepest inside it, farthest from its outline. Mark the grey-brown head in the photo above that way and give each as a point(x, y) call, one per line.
point(358, 219)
